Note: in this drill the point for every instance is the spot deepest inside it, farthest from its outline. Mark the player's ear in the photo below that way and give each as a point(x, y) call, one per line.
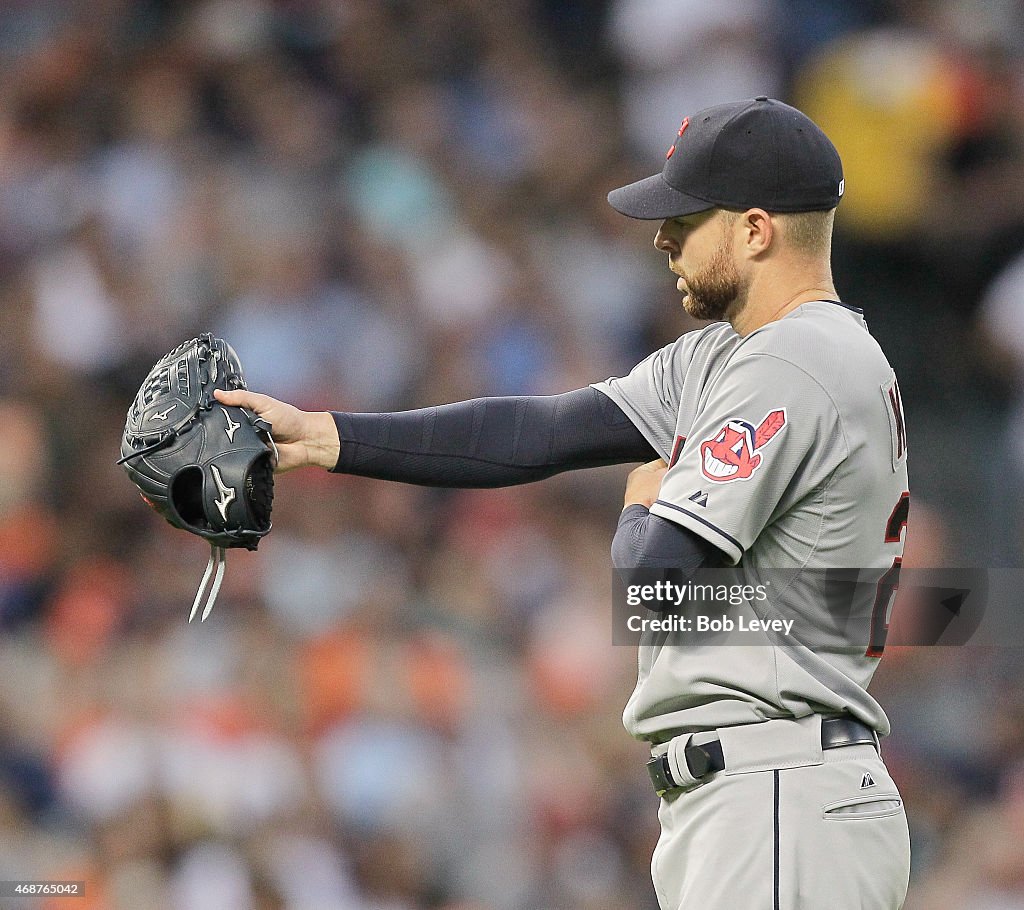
point(758, 231)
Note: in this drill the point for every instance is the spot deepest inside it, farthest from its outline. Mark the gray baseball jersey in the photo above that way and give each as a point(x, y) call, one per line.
point(787, 450)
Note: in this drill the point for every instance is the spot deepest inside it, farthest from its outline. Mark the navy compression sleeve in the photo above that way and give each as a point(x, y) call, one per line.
point(646, 541)
point(490, 442)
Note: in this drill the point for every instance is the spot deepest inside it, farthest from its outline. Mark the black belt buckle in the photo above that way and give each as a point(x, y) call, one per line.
point(698, 760)
point(661, 774)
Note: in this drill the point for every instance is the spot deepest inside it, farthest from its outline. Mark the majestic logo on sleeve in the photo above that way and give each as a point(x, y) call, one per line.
point(733, 453)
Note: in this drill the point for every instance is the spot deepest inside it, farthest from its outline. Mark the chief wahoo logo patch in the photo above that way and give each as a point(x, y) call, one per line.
point(733, 453)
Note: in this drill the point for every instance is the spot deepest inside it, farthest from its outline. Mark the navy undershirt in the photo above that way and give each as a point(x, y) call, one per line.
point(646, 541)
point(497, 442)
point(490, 442)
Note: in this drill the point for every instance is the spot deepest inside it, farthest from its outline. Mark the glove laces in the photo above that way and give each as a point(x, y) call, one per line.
point(214, 568)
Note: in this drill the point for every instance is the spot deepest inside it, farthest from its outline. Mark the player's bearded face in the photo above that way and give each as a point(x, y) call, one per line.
point(713, 287)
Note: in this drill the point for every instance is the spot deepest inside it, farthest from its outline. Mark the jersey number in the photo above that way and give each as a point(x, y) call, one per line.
point(888, 584)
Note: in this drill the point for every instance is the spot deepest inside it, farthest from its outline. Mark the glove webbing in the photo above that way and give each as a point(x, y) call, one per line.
point(215, 567)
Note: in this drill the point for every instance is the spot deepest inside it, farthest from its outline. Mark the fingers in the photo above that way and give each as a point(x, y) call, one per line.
point(644, 483)
point(659, 464)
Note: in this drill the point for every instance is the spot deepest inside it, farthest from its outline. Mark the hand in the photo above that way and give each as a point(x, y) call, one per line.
point(644, 483)
point(302, 437)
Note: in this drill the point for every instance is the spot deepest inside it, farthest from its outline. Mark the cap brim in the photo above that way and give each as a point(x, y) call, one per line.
point(652, 199)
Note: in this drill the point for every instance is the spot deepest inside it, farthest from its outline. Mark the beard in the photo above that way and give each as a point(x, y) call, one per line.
point(713, 290)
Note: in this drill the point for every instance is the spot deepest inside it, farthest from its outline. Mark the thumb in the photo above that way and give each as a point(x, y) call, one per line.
point(243, 398)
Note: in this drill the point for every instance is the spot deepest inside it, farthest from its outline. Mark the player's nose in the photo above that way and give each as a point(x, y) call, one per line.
point(664, 240)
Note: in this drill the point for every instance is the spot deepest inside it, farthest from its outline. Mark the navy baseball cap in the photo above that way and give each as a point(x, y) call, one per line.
point(744, 154)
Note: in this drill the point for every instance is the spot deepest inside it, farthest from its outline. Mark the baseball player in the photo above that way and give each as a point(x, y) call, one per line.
point(780, 443)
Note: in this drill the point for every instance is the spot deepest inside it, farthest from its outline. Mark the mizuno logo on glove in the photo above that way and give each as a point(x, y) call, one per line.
point(231, 427)
point(227, 494)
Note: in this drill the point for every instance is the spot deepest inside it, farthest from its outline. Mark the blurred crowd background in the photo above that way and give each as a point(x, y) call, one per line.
point(408, 698)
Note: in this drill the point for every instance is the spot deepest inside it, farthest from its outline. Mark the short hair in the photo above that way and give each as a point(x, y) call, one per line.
point(808, 232)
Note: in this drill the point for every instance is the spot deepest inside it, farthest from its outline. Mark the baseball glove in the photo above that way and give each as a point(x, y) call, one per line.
point(205, 467)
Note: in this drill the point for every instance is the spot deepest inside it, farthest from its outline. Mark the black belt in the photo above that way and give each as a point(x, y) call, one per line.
point(708, 758)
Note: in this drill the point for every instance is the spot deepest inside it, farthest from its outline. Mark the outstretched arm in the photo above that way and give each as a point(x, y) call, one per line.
point(487, 442)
